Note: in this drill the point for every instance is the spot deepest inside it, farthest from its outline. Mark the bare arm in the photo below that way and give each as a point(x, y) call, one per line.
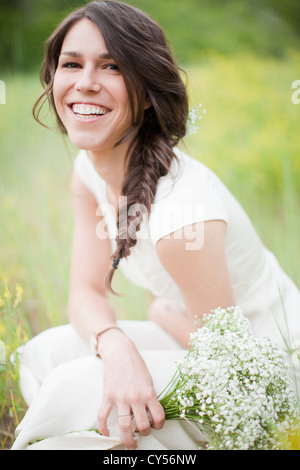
point(128, 385)
point(201, 275)
point(90, 262)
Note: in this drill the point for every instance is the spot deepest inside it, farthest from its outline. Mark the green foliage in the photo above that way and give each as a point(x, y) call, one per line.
point(198, 27)
point(12, 335)
point(195, 28)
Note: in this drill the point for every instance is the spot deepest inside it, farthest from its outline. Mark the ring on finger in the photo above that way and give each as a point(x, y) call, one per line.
point(125, 414)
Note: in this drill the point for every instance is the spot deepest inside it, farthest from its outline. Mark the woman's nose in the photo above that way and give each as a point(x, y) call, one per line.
point(88, 82)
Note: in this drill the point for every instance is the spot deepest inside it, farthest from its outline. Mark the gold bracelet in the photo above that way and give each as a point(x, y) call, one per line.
point(95, 336)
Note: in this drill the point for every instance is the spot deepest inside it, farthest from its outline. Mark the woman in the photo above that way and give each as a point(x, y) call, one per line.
point(167, 220)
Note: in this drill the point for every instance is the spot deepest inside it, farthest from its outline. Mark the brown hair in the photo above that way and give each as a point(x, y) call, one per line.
point(142, 54)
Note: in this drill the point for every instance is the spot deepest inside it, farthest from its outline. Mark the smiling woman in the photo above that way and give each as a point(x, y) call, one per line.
point(175, 230)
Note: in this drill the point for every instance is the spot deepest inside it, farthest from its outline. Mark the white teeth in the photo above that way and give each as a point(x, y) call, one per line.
point(88, 109)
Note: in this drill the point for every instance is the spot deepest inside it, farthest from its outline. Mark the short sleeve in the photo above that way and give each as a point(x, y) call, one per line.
point(188, 194)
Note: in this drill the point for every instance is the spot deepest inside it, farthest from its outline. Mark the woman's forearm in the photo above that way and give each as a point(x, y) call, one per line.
point(89, 311)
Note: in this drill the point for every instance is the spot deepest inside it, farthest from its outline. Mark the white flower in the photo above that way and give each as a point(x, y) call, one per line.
point(193, 117)
point(234, 385)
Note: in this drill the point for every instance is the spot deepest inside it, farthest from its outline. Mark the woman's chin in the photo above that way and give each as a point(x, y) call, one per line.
point(82, 143)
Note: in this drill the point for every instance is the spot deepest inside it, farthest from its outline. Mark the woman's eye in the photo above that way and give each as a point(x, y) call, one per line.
point(112, 67)
point(70, 65)
point(75, 65)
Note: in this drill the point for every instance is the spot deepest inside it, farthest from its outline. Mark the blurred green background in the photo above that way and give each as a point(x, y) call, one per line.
point(195, 27)
point(241, 58)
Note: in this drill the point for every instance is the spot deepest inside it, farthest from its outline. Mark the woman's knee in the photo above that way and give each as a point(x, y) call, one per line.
point(161, 309)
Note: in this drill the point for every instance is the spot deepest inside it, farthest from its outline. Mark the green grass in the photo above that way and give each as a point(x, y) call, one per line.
point(249, 137)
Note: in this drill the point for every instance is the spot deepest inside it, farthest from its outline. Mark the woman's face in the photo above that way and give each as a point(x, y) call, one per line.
point(89, 92)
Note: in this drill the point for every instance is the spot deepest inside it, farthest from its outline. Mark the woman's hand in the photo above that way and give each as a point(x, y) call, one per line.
point(128, 388)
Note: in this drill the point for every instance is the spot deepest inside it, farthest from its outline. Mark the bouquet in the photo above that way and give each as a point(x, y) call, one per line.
point(233, 386)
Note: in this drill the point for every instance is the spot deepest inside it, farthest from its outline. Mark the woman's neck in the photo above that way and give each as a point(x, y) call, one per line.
point(111, 166)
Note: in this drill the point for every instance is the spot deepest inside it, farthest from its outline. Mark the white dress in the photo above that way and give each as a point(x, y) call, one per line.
point(58, 373)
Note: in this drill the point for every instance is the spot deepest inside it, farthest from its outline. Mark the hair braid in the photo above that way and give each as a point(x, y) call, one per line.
point(151, 159)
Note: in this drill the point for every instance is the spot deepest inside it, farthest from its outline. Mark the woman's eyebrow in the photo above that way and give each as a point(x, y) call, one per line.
point(103, 55)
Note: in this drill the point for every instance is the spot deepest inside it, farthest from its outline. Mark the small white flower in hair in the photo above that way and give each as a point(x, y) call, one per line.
point(194, 116)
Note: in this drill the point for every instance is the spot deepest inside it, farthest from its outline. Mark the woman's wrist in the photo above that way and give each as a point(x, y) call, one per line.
point(111, 340)
point(94, 337)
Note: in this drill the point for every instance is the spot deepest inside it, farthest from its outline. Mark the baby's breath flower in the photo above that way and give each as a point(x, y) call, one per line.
point(235, 386)
point(195, 114)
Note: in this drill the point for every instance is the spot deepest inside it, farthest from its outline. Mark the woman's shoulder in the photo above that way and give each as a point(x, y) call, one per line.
point(188, 180)
point(188, 194)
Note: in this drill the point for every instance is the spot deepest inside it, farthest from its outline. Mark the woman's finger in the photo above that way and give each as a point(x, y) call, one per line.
point(102, 416)
point(142, 421)
point(157, 413)
point(125, 417)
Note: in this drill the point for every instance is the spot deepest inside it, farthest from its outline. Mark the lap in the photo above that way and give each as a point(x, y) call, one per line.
point(61, 344)
point(66, 402)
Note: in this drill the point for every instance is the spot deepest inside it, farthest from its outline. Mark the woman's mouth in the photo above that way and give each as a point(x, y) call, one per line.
point(88, 111)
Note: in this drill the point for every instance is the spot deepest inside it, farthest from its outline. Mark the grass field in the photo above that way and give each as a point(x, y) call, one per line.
point(249, 136)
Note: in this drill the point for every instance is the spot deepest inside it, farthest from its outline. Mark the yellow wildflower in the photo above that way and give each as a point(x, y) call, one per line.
point(2, 328)
point(19, 294)
point(1, 302)
point(7, 294)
